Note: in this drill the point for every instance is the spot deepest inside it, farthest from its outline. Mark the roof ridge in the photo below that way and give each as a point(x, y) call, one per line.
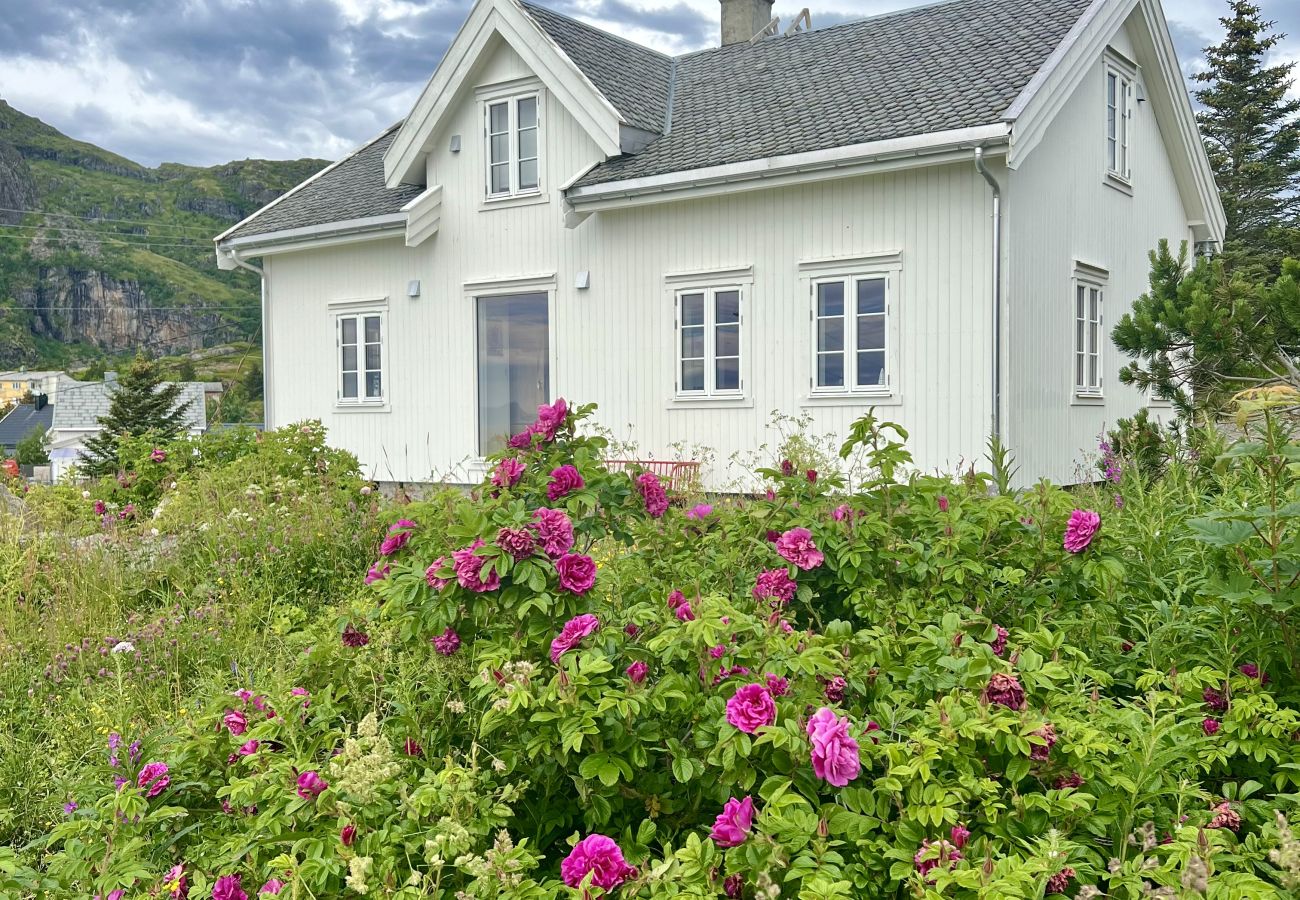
point(609, 34)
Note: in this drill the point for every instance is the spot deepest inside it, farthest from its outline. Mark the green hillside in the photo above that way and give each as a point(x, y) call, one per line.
point(101, 256)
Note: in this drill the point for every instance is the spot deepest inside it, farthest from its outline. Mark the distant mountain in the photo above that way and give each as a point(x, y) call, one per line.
point(101, 256)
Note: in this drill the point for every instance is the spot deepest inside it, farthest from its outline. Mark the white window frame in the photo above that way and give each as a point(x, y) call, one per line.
point(849, 357)
point(710, 325)
point(359, 314)
point(1124, 77)
point(511, 101)
point(1088, 332)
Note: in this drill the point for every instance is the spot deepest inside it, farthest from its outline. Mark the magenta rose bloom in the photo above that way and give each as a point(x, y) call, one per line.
point(554, 530)
point(734, 823)
point(699, 511)
point(1210, 726)
point(932, 855)
point(572, 634)
point(734, 886)
point(652, 492)
point(153, 779)
point(834, 691)
point(377, 572)
point(681, 607)
point(272, 887)
point(311, 785)
point(751, 708)
point(399, 535)
point(174, 884)
point(518, 542)
point(841, 512)
point(158, 455)
point(348, 835)
point(577, 573)
point(1225, 817)
point(470, 569)
point(1006, 691)
point(227, 888)
point(637, 672)
point(1041, 752)
point(999, 643)
point(777, 685)
point(564, 481)
point(1081, 529)
point(235, 722)
point(1058, 883)
point(447, 643)
point(600, 857)
point(521, 441)
point(834, 751)
point(550, 418)
point(353, 638)
point(796, 546)
point(960, 835)
point(431, 574)
point(774, 584)
point(507, 473)
point(248, 748)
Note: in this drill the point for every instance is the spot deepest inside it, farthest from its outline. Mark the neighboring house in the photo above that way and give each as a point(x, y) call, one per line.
point(16, 385)
point(21, 421)
point(83, 403)
point(939, 212)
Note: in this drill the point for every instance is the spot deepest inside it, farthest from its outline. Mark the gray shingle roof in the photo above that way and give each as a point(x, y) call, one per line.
point(352, 189)
point(22, 421)
point(951, 65)
point(82, 403)
point(633, 78)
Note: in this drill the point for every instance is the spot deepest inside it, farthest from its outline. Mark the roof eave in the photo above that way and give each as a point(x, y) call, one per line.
point(317, 235)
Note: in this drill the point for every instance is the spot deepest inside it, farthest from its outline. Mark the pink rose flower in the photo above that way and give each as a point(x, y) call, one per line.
point(153, 779)
point(1006, 691)
point(734, 823)
point(572, 634)
point(377, 572)
point(841, 512)
point(399, 535)
point(796, 546)
point(775, 584)
point(470, 569)
point(699, 511)
point(960, 835)
point(248, 748)
point(1042, 752)
point(1210, 726)
point(353, 638)
point(447, 643)
point(777, 685)
point(834, 752)
point(943, 503)
point(637, 672)
point(652, 492)
point(311, 785)
point(564, 481)
point(1058, 883)
point(598, 856)
point(431, 574)
point(174, 884)
point(272, 887)
point(508, 472)
point(235, 722)
point(932, 855)
point(1081, 529)
point(999, 643)
point(554, 530)
point(348, 835)
point(550, 418)
point(518, 542)
point(1225, 817)
point(158, 455)
point(227, 888)
point(577, 573)
point(681, 607)
point(751, 708)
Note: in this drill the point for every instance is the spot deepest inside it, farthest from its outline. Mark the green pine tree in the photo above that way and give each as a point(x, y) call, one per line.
point(1252, 134)
point(141, 404)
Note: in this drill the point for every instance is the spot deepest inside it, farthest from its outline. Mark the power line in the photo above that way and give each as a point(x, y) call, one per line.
point(75, 242)
point(41, 212)
point(252, 305)
point(112, 234)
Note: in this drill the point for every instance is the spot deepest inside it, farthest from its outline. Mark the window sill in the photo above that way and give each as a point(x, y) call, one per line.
point(855, 398)
point(350, 408)
point(1087, 400)
point(710, 403)
point(513, 200)
point(1123, 185)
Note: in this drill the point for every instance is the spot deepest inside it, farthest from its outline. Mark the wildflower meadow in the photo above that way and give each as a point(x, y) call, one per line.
point(234, 670)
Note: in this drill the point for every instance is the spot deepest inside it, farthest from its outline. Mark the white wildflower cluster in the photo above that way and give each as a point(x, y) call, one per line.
point(358, 869)
point(1287, 855)
point(365, 764)
point(456, 706)
point(238, 515)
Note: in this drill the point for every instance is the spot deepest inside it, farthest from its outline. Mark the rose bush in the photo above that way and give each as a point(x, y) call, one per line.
point(564, 684)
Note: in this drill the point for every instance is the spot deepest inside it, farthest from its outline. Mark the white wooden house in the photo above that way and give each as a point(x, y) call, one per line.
point(939, 212)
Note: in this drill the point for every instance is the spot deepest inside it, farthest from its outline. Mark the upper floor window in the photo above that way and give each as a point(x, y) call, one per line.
point(1119, 121)
point(513, 130)
point(1089, 333)
point(708, 342)
point(361, 357)
point(851, 336)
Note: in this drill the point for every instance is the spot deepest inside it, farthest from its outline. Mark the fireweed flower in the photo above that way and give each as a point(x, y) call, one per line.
point(518, 542)
point(227, 888)
point(564, 481)
point(70, 807)
point(431, 574)
point(1005, 690)
point(470, 569)
point(554, 530)
point(796, 546)
point(751, 708)
point(353, 638)
point(572, 634)
point(577, 573)
point(447, 643)
point(653, 493)
point(637, 672)
point(834, 752)
point(399, 535)
point(1080, 530)
point(235, 722)
point(311, 785)
point(507, 473)
point(732, 826)
point(598, 856)
point(774, 584)
point(304, 694)
point(932, 855)
point(1041, 752)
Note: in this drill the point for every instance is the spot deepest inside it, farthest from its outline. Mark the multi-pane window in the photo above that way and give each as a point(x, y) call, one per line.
point(361, 357)
point(513, 139)
point(1119, 120)
point(708, 341)
point(850, 325)
point(1088, 336)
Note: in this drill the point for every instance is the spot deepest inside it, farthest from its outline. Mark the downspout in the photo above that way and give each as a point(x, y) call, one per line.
point(983, 169)
point(233, 255)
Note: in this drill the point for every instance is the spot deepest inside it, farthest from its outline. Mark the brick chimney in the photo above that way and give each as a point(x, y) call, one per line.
point(742, 19)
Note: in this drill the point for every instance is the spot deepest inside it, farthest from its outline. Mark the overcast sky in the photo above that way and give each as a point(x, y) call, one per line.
point(207, 81)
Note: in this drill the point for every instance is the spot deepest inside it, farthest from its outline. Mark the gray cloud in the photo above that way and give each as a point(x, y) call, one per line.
point(204, 81)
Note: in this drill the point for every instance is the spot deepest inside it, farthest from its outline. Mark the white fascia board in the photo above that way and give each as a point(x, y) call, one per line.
point(506, 18)
point(331, 232)
point(285, 196)
point(775, 171)
point(1054, 62)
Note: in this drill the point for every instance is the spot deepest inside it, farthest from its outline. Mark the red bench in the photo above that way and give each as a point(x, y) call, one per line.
point(677, 476)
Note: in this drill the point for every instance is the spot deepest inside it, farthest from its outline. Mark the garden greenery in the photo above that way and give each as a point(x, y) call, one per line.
point(569, 682)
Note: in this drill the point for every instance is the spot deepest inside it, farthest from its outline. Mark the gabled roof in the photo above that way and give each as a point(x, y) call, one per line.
point(22, 421)
point(81, 404)
point(948, 66)
point(352, 188)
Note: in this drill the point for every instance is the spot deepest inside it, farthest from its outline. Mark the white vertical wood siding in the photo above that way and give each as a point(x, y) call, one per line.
point(613, 344)
point(1060, 211)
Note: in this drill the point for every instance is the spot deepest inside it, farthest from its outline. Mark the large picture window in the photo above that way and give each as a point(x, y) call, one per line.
point(513, 131)
point(514, 365)
point(851, 334)
point(708, 342)
point(360, 339)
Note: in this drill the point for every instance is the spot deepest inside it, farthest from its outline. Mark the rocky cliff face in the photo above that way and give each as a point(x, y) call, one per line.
point(17, 187)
